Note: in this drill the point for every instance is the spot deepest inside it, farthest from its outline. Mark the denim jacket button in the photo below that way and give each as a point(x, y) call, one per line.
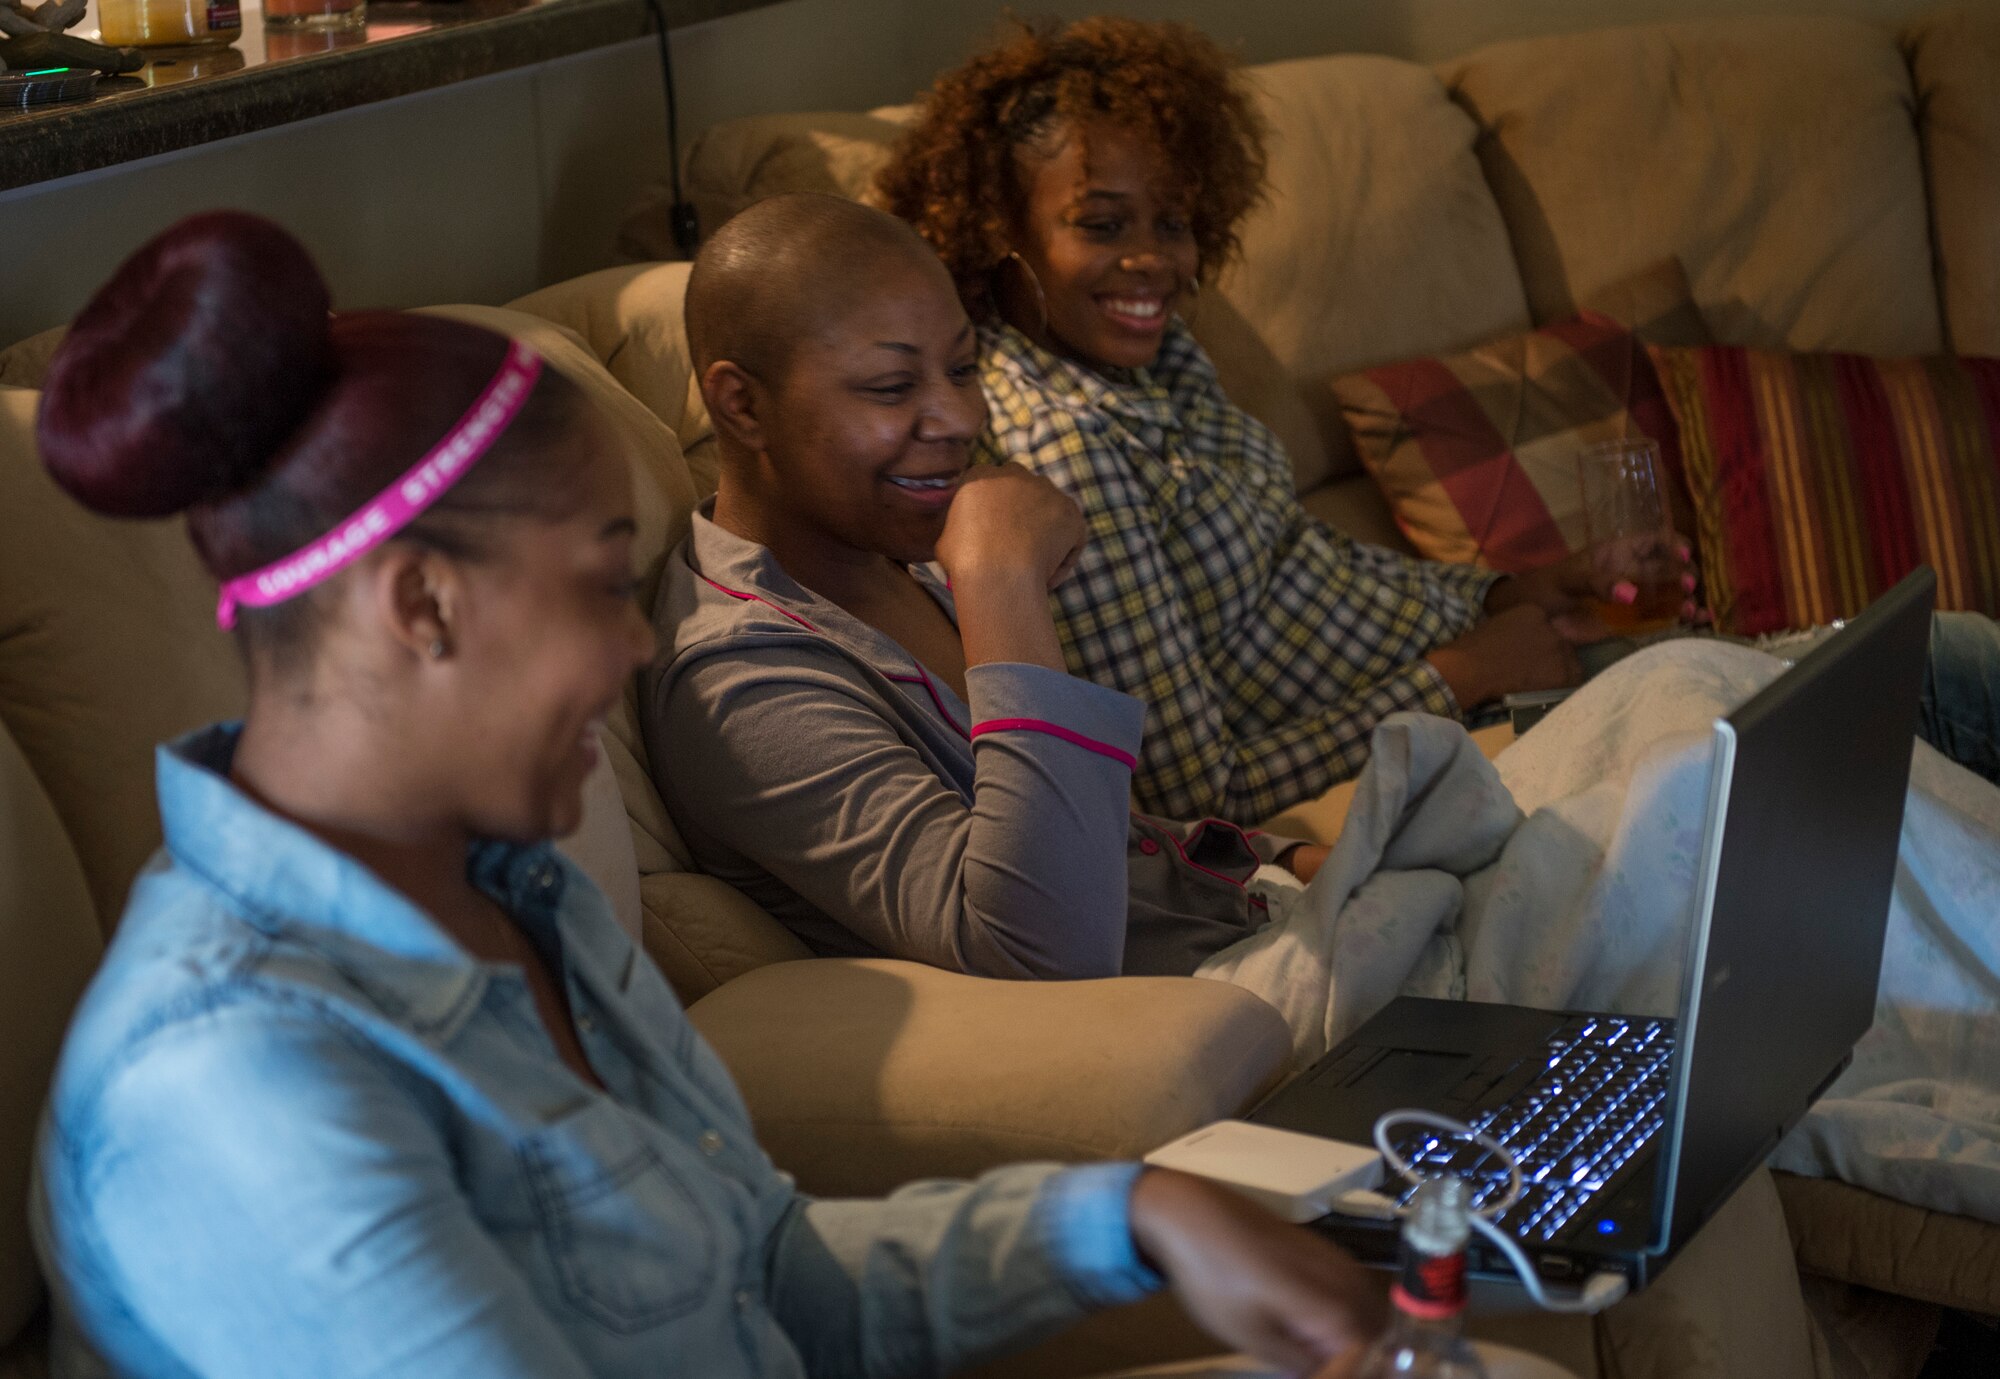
point(586, 1022)
point(743, 1299)
point(710, 1142)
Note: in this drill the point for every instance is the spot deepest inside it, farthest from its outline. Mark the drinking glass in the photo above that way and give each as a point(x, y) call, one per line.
point(1624, 494)
point(315, 14)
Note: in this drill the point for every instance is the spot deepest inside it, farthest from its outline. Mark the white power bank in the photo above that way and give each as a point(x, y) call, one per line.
point(1296, 1176)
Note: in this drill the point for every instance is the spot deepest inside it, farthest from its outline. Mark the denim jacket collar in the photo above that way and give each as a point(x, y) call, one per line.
point(291, 885)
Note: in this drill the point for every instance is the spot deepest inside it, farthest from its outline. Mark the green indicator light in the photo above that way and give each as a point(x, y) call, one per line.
point(45, 72)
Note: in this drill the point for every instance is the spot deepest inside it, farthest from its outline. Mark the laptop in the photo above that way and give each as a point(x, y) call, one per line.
point(1633, 1131)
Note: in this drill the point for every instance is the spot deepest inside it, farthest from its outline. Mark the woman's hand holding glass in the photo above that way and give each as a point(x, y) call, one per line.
point(1623, 584)
point(1633, 573)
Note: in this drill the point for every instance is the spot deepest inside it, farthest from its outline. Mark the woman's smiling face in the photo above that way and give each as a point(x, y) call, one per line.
point(1112, 250)
point(871, 427)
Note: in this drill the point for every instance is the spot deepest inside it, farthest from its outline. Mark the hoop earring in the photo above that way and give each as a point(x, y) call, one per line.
point(1191, 289)
point(1041, 298)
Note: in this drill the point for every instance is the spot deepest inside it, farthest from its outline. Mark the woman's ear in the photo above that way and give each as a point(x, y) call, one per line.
point(418, 594)
point(736, 401)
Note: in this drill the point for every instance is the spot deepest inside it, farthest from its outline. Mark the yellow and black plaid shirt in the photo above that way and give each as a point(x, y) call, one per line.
point(1265, 645)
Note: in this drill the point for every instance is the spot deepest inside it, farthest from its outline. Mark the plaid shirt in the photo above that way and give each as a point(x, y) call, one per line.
point(1264, 643)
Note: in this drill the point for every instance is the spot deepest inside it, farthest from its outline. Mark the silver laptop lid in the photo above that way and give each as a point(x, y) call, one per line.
point(1804, 817)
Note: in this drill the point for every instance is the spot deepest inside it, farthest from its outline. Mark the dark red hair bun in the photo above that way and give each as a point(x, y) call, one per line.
point(189, 370)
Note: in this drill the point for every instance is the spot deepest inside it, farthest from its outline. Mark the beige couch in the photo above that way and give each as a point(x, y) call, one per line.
point(1827, 184)
point(861, 1074)
point(1800, 222)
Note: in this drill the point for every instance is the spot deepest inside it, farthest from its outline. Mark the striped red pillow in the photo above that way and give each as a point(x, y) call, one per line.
point(1819, 480)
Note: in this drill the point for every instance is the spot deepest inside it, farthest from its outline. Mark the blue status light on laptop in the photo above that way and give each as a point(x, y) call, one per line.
point(1607, 1228)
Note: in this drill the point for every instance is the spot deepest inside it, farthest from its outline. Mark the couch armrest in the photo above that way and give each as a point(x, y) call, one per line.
point(704, 933)
point(1856, 1236)
point(864, 1073)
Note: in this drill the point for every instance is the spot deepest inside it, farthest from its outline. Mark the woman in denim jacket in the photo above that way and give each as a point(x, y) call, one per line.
point(370, 1082)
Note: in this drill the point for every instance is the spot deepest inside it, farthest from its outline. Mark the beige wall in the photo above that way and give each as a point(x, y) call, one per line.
point(488, 189)
point(476, 192)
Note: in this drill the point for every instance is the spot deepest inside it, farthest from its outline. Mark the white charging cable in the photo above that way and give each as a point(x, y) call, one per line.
point(1600, 1290)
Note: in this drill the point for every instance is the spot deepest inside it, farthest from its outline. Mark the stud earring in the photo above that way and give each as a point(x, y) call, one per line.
point(1041, 298)
point(437, 648)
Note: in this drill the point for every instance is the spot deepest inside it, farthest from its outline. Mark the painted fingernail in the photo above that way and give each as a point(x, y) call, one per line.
point(1687, 611)
point(1687, 551)
point(1624, 591)
point(1687, 583)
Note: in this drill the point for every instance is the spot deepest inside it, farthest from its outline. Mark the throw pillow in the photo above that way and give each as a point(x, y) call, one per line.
point(1819, 480)
point(1476, 452)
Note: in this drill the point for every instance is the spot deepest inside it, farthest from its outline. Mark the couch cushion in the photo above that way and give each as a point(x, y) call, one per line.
point(703, 932)
point(1776, 158)
point(108, 645)
point(1380, 239)
point(631, 318)
point(1819, 480)
point(48, 947)
point(1955, 60)
point(732, 164)
point(23, 364)
point(1353, 505)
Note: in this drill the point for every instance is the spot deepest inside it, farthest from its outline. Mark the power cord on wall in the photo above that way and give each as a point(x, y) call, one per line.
point(682, 221)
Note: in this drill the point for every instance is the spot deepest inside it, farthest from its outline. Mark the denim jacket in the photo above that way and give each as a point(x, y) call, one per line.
point(296, 1130)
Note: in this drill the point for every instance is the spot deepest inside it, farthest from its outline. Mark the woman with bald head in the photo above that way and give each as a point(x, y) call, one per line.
point(889, 763)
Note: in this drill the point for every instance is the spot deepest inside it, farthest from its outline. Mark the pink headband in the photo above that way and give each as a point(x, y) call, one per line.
point(398, 505)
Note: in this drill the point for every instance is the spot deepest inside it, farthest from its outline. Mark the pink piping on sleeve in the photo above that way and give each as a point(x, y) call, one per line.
point(923, 678)
point(756, 598)
point(1056, 730)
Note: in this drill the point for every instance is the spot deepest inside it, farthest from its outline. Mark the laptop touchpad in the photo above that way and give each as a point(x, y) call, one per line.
point(1414, 1073)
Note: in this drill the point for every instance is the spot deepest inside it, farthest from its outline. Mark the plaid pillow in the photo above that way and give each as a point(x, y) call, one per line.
point(1819, 480)
point(1476, 452)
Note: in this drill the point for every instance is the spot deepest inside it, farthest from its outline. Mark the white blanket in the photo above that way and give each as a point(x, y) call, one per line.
point(1563, 875)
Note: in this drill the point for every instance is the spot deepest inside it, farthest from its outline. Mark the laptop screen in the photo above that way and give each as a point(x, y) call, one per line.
point(1804, 821)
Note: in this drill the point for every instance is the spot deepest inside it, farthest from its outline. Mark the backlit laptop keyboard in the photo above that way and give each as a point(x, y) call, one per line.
point(1599, 1101)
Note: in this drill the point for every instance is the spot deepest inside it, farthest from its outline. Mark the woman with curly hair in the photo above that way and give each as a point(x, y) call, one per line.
point(1081, 183)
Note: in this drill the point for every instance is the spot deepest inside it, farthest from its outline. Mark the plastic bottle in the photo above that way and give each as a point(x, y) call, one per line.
point(1424, 1341)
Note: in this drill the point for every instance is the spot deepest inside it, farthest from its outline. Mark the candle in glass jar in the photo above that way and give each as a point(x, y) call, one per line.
point(168, 23)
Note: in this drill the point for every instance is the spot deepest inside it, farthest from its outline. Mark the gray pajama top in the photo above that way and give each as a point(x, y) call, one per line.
point(812, 763)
